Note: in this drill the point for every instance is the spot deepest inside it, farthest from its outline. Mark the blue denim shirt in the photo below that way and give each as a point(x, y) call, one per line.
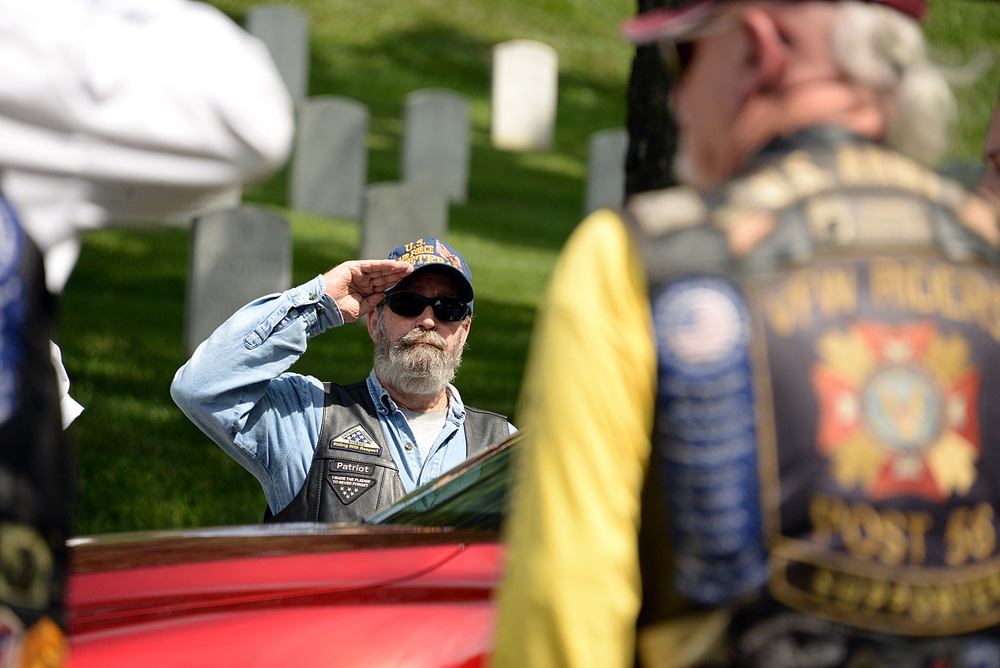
point(236, 389)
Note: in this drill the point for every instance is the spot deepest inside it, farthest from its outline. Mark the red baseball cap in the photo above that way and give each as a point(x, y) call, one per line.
point(673, 23)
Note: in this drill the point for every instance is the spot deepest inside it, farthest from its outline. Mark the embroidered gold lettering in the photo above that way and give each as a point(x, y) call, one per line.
point(872, 167)
point(956, 293)
point(970, 535)
point(792, 305)
point(918, 603)
point(889, 536)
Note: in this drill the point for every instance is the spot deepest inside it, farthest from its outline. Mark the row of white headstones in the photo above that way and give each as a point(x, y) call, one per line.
point(329, 169)
point(241, 252)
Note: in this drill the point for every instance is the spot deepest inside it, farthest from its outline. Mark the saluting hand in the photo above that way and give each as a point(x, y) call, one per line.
point(357, 285)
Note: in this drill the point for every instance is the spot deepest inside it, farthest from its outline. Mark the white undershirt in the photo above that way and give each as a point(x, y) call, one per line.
point(425, 427)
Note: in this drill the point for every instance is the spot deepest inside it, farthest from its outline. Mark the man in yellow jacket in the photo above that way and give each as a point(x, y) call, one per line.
point(755, 409)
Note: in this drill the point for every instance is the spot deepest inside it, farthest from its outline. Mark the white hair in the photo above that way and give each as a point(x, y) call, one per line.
point(884, 50)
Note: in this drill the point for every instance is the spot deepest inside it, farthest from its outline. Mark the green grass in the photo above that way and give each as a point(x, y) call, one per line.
point(960, 31)
point(143, 465)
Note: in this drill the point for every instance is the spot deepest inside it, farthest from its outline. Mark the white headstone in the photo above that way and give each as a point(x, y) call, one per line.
point(436, 141)
point(330, 164)
point(606, 169)
point(285, 32)
point(235, 256)
point(398, 212)
point(525, 86)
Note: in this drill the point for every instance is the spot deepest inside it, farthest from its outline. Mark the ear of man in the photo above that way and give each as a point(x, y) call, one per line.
point(769, 53)
point(371, 320)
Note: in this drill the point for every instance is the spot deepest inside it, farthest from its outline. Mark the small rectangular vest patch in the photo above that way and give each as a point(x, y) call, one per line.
point(356, 439)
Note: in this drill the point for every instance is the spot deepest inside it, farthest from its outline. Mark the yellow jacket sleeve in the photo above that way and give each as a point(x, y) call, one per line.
point(571, 591)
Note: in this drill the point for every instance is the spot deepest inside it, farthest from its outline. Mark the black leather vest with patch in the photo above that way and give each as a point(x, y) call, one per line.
point(353, 474)
point(37, 474)
point(841, 300)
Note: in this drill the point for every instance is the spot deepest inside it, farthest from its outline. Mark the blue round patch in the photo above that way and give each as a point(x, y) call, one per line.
point(701, 324)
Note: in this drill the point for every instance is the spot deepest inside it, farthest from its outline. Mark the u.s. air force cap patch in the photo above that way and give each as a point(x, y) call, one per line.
point(356, 439)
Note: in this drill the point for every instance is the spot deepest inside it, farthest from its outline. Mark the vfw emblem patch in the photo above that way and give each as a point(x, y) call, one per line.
point(897, 410)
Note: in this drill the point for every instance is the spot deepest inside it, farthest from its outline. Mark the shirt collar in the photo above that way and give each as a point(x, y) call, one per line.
point(385, 405)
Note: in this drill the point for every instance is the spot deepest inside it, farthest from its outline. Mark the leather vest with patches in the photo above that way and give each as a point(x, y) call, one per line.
point(353, 474)
point(37, 475)
point(828, 342)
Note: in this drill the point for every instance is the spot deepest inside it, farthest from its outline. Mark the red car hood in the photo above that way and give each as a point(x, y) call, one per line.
point(283, 595)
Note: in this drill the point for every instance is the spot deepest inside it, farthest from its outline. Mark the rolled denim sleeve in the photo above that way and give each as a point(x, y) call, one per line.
point(235, 387)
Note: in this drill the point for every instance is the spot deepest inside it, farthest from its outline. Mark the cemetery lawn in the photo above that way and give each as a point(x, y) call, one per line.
point(143, 465)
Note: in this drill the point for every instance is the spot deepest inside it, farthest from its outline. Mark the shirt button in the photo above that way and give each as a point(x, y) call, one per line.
point(409, 446)
point(312, 296)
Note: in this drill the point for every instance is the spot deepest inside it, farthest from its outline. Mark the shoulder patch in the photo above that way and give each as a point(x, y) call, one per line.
point(662, 211)
point(701, 323)
point(747, 229)
point(356, 439)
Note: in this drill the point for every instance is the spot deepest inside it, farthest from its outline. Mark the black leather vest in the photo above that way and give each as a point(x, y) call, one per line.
point(837, 321)
point(37, 475)
point(352, 473)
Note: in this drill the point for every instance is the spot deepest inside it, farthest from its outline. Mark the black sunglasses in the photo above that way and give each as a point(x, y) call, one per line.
point(410, 305)
point(676, 57)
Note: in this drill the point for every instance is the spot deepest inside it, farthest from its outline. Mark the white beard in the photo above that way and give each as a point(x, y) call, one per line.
point(418, 363)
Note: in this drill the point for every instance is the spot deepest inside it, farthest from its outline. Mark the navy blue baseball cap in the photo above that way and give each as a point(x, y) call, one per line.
point(435, 255)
